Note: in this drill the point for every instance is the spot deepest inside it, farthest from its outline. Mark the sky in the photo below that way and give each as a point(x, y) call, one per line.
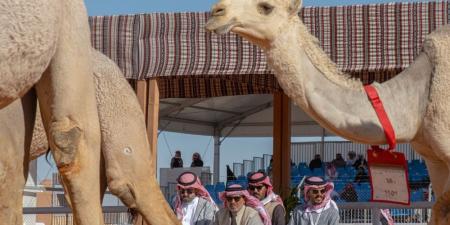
point(108, 7)
point(245, 148)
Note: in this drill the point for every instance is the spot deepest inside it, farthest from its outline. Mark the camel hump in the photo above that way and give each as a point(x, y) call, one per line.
point(437, 45)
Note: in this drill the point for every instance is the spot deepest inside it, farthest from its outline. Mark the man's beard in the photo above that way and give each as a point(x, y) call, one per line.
point(187, 200)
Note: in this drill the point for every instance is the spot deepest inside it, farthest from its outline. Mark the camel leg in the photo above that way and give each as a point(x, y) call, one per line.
point(438, 172)
point(437, 169)
point(67, 101)
point(16, 127)
point(129, 169)
point(103, 184)
point(441, 209)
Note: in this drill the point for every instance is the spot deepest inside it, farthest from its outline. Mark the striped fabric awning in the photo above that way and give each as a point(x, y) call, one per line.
point(373, 42)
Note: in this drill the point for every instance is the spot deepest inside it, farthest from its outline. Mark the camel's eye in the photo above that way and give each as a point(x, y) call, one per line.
point(265, 8)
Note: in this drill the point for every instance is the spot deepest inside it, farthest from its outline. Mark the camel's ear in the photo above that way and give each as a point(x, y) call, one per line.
point(295, 6)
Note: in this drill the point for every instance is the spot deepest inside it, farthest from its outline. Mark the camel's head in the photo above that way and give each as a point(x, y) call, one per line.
point(259, 21)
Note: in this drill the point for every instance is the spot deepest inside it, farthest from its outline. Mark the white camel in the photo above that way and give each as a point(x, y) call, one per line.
point(46, 43)
point(417, 101)
point(127, 167)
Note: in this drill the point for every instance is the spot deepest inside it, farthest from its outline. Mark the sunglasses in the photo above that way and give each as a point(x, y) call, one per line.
point(188, 191)
point(253, 188)
point(315, 191)
point(235, 198)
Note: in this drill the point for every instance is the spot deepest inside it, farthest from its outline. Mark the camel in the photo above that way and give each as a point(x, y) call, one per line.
point(16, 126)
point(130, 171)
point(127, 168)
point(46, 44)
point(417, 100)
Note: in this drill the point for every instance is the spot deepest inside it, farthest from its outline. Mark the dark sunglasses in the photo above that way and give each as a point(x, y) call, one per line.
point(235, 198)
point(189, 191)
point(252, 188)
point(315, 191)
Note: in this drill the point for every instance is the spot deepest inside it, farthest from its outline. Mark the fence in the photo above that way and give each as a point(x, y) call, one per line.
point(112, 215)
point(417, 213)
point(305, 151)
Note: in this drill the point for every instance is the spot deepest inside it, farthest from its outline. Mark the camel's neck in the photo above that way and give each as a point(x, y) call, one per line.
point(331, 97)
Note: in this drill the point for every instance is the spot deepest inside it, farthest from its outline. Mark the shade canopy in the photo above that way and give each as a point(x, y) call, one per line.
point(209, 82)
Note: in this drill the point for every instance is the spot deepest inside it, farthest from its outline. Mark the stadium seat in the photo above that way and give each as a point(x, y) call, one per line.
point(417, 196)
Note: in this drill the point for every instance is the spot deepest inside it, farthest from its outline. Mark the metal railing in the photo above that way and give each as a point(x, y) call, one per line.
point(360, 213)
point(369, 213)
point(112, 215)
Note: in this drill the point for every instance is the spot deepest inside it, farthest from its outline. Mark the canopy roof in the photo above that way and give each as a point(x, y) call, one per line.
point(372, 42)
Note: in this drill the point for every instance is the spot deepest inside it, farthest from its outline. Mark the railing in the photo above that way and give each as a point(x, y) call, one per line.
point(112, 215)
point(305, 151)
point(417, 213)
point(359, 213)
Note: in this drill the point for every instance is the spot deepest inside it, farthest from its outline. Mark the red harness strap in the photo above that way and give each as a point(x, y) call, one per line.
point(382, 116)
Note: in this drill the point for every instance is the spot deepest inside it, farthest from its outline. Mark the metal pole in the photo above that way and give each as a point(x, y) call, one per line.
point(216, 155)
point(322, 140)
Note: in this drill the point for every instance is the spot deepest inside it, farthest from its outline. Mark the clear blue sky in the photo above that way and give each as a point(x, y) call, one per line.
point(188, 144)
point(108, 7)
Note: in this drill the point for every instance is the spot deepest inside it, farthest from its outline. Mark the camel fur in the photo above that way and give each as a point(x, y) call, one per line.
point(127, 168)
point(27, 44)
point(46, 43)
point(16, 126)
point(417, 100)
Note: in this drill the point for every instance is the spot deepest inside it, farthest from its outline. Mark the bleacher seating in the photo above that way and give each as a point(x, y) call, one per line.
point(418, 178)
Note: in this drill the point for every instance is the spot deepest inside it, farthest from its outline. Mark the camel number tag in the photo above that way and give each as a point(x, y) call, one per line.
point(388, 173)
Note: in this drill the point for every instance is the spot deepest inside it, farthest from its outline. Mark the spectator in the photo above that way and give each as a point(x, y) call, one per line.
point(240, 208)
point(230, 174)
point(351, 158)
point(386, 218)
point(319, 207)
point(176, 161)
point(360, 161)
point(315, 163)
point(339, 161)
point(349, 193)
point(196, 160)
point(330, 172)
point(193, 204)
point(269, 168)
point(361, 175)
point(259, 186)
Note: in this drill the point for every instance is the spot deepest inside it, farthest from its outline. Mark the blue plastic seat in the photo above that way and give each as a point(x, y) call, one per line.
point(319, 172)
point(220, 186)
point(417, 196)
point(364, 195)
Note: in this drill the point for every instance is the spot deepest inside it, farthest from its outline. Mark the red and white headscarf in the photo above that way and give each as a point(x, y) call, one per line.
point(260, 178)
point(188, 180)
point(250, 201)
point(387, 215)
point(318, 183)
